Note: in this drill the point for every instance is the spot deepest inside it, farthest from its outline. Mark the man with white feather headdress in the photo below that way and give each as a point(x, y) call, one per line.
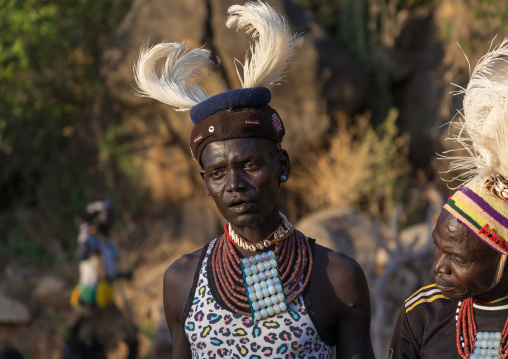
point(465, 313)
point(262, 289)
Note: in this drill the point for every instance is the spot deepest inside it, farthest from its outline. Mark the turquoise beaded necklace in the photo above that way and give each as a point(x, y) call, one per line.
point(487, 346)
point(264, 288)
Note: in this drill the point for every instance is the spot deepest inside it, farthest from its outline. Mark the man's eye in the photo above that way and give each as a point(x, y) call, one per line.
point(216, 174)
point(251, 165)
point(459, 260)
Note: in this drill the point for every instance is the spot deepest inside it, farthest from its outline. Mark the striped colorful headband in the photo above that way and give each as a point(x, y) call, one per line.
point(483, 213)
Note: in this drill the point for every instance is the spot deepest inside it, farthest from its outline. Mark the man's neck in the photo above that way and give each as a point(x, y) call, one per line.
point(497, 292)
point(262, 231)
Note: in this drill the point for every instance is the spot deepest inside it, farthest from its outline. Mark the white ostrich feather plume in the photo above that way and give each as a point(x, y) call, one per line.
point(175, 83)
point(273, 47)
point(483, 122)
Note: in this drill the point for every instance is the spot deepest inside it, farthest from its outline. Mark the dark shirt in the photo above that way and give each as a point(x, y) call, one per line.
point(426, 326)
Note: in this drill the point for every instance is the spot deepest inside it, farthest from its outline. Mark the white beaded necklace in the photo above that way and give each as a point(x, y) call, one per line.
point(279, 233)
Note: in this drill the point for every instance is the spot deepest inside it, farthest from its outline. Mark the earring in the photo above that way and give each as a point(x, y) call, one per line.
point(283, 178)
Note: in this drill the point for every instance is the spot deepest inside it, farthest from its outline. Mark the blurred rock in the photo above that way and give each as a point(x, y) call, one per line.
point(51, 290)
point(13, 311)
point(342, 230)
point(200, 221)
point(55, 248)
point(414, 70)
point(18, 278)
point(322, 78)
point(427, 58)
point(154, 21)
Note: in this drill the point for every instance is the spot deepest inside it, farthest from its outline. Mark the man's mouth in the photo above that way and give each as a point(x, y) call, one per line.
point(239, 205)
point(444, 286)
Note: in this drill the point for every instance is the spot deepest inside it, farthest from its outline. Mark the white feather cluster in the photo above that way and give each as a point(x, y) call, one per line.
point(483, 122)
point(273, 48)
point(175, 84)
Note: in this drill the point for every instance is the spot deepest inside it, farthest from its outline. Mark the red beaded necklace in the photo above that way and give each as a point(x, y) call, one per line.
point(293, 254)
point(466, 331)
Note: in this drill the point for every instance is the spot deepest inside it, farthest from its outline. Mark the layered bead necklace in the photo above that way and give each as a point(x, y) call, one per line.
point(265, 284)
point(478, 345)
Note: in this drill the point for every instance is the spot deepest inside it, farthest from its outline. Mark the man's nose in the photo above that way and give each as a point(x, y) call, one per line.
point(440, 263)
point(235, 180)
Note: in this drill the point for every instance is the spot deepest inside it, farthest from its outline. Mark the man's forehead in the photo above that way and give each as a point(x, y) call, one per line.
point(238, 147)
point(450, 231)
point(453, 236)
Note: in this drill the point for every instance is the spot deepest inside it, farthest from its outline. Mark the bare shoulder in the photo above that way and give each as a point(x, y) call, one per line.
point(340, 297)
point(343, 273)
point(340, 265)
point(178, 281)
point(183, 267)
point(179, 276)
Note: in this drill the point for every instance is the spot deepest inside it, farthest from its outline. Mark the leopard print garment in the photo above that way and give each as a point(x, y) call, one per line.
point(215, 332)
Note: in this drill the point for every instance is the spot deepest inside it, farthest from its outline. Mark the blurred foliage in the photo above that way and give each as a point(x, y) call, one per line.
point(489, 12)
point(49, 79)
point(28, 250)
point(147, 330)
point(362, 167)
point(117, 150)
point(366, 29)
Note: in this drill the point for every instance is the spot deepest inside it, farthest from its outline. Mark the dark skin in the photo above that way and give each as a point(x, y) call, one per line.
point(243, 178)
point(464, 266)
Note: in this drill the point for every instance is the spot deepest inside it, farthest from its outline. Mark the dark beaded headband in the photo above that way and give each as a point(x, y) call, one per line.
point(234, 114)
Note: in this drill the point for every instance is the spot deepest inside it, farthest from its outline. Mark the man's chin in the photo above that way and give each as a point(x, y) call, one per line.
point(454, 296)
point(451, 292)
point(245, 220)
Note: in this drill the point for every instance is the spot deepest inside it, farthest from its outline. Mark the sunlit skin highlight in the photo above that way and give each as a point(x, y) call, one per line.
point(464, 266)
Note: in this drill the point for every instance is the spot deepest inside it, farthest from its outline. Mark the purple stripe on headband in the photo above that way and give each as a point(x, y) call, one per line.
point(485, 206)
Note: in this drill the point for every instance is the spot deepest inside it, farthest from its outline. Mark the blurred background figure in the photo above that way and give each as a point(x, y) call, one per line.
point(100, 325)
point(97, 255)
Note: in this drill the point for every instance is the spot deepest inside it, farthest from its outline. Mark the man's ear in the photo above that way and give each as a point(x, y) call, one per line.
point(285, 164)
point(202, 173)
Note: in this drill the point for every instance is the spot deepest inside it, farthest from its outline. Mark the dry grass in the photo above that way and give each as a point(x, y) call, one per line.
point(360, 167)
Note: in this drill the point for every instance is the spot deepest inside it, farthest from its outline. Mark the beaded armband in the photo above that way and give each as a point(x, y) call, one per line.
point(264, 287)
